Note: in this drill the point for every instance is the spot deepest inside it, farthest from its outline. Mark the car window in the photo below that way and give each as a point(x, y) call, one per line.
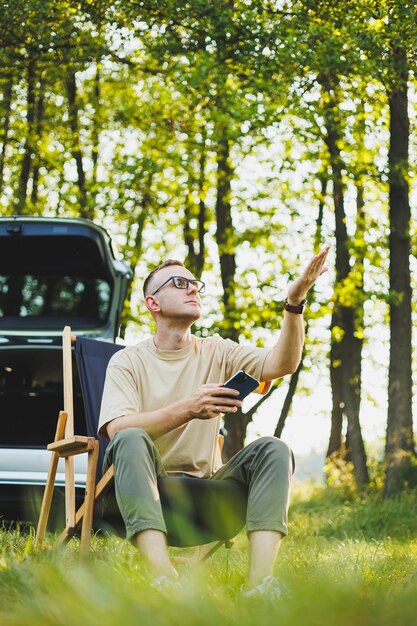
point(52, 280)
point(31, 296)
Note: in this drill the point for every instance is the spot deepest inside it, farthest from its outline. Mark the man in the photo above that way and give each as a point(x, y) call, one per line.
point(161, 407)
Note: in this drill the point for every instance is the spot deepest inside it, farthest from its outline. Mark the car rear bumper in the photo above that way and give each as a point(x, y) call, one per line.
point(23, 474)
point(23, 466)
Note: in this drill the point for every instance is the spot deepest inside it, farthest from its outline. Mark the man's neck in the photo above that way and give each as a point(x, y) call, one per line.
point(172, 339)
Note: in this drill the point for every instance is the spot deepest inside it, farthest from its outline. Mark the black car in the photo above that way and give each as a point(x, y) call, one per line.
point(53, 272)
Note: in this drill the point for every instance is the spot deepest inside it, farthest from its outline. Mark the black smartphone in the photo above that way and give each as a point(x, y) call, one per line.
point(243, 383)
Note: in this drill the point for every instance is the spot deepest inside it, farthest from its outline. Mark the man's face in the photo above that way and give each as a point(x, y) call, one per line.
point(171, 301)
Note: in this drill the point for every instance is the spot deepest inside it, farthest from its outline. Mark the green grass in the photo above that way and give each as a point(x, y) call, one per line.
point(347, 561)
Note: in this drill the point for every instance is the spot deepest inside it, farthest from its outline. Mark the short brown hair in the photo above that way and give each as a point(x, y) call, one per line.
point(166, 263)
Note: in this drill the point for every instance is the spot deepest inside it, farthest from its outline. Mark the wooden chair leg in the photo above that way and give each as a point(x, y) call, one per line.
point(101, 489)
point(202, 553)
point(69, 492)
point(47, 500)
point(50, 483)
point(89, 498)
point(65, 536)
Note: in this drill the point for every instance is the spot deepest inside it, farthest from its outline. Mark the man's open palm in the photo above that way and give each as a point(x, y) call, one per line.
point(315, 268)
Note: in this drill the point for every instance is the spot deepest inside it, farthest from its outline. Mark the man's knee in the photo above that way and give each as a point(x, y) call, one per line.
point(273, 443)
point(134, 440)
point(132, 449)
point(276, 450)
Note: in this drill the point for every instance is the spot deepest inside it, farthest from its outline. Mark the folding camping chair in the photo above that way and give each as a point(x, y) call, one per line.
point(222, 516)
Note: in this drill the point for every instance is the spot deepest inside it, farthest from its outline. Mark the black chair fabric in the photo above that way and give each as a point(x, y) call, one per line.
point(92, 358)
point(196, 510)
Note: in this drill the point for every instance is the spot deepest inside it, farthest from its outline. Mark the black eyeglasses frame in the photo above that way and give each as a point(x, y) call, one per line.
point(199, 284)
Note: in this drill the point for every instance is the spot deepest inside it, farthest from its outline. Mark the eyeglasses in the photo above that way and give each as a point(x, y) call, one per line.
point(183, 283)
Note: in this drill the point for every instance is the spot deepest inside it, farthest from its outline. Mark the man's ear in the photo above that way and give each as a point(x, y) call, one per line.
point(152, 304)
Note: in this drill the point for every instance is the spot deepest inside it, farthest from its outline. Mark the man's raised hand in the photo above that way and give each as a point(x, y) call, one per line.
point(315, 268)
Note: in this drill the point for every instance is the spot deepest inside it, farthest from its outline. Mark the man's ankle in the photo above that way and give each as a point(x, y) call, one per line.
point(256, 579)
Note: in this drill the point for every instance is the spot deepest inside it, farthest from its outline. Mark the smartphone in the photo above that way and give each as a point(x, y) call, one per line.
point(243, 383)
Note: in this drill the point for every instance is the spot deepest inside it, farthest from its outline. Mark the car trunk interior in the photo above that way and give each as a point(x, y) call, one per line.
point(31, 396)
point(49, 281)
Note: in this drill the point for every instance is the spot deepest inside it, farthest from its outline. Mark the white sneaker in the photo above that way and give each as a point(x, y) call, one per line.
point(164, 583)
point(270, 588)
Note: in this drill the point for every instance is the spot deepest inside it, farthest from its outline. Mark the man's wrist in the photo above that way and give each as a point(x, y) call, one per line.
point(294, 307)
point(294, 301)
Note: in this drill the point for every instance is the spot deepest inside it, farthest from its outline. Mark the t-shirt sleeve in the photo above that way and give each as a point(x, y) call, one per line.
point(248, 358)
point(120, 394)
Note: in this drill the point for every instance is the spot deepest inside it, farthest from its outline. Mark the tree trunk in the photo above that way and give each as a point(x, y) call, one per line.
point(38, 134)
point(136, 254)
point(399, 442)
point(342, 267)
point(96, 125)
point(352, 398)
point(344, 368)
point(195, 241)
point(238, 434)
point(29, 142)
point(354, 440)
point(292, 387)
point(318, 239)
point(235, 424)
point(71, 87)
point(335, 444)
point(225, 236)
point(7, 107)
point(202, 213)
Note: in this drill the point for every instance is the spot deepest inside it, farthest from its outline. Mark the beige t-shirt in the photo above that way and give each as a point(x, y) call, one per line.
point(143, 378)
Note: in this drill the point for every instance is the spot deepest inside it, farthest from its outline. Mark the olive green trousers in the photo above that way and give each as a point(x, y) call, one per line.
point(264, 468)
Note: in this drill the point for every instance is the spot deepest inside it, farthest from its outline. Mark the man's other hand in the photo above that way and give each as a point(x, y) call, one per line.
point(212, 399)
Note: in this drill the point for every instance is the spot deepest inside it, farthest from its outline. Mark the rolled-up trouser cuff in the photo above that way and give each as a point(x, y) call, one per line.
point(281, 528)
point(132, 531)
